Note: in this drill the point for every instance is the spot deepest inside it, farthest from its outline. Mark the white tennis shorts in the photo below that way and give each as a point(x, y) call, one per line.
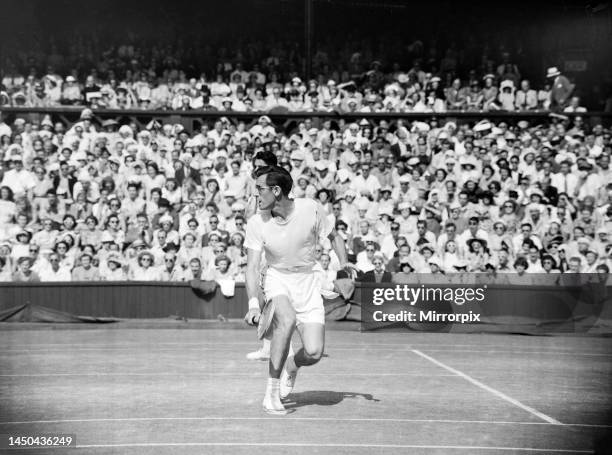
point(303, 291)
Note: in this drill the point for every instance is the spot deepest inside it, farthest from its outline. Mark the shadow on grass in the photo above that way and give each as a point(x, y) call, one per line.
point(322, 398)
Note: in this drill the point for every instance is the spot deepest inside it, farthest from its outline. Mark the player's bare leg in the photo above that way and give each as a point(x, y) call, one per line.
point(282, 330)
point(313, 341)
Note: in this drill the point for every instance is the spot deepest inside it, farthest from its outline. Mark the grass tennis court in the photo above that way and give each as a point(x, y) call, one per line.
point(160, 391)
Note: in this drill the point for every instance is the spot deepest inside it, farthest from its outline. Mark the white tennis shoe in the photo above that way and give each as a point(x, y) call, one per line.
point(271, 402)
point(287, 381)
point(260, 354)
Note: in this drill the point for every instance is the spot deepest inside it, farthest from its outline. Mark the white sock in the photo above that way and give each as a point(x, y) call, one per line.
point(273, 386)
point(265, 347)
point(272, 399)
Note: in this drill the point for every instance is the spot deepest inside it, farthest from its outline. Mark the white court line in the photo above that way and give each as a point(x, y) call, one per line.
point(356, 446)
point(495, 392)
point(315, 419)
point(335, 346)
point(216, 374)
point(227, 344)
point(352, 349)
point(493, 351)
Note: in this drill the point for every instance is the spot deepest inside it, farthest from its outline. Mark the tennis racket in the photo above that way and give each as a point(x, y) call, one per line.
point(265, 319)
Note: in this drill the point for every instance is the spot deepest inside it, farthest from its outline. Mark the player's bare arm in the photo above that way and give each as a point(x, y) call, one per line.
point(252, 288)
point(337, 243)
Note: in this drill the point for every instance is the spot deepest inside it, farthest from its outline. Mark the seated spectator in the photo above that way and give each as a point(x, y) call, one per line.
point(114, 270)
point(170, 270)
point(24, 272)
point(520, 277)
point(195, 270)
point(378, 274)
point(144, 269)
point(223, 269)
point(85, 271)
point(5, 270)
point(56, 271)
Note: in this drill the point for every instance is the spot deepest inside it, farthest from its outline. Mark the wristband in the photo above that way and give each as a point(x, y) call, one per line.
point(253, 303)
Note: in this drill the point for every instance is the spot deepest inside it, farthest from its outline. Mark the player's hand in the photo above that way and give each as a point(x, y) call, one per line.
point(252, 316)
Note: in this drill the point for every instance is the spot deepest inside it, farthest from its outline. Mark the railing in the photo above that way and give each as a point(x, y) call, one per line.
point(191, 120)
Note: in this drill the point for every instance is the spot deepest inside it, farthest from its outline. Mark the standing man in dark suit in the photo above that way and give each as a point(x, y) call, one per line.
point(379, 274)
point(561, 89)
point(186, 171)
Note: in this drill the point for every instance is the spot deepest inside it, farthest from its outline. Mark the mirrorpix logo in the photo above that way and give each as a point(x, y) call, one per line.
point(426, 303)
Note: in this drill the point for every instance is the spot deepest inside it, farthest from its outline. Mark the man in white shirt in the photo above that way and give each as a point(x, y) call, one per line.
point(565, 181)
point(56, 272)
point(366, 184)
point(288, 231)
point(474, 231)
point(422, 236)
point(236, 182)
point(18, 179)
point(276, 100)
point(526, 98)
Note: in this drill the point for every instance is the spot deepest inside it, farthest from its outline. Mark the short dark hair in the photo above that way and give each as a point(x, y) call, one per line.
point(276, 176)
point(521, 261)
point(267, 157)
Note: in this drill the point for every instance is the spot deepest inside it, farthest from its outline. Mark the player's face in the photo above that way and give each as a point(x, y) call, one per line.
point(267, 196)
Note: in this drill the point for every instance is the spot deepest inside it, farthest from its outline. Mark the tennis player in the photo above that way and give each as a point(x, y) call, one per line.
point(261, 159)
point(287, 230)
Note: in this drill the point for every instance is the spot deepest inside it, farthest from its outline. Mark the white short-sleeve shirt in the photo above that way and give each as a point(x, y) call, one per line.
point(289, 245)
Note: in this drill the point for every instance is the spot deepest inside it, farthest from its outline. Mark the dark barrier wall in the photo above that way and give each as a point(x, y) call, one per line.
point(125, 299)
point(160, 300)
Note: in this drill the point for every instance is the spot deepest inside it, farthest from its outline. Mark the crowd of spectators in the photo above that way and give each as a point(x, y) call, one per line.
point(92, 201)
point(262, 89)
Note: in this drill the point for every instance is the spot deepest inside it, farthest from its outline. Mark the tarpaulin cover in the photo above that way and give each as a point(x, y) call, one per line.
point(36, 313)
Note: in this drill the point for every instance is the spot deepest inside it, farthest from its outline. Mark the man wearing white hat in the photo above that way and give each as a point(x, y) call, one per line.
point(404, 192)
point(325, 178)
point(298, 158)
point(561, 89)
point(264, 127)
point(71, 93)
